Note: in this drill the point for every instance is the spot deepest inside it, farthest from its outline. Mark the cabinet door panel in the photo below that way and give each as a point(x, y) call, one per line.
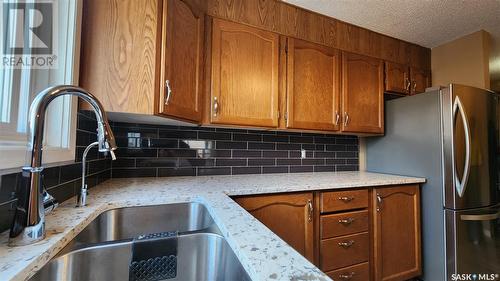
point(119, 53)
point(362, 94)
point(397, 78)
point(396, 233)
point(313, 86)
point(420, 80)
point(182, 53)
point(244, 75)
point(289, 216)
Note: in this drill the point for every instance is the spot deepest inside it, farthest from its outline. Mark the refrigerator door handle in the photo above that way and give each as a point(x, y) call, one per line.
point(483, 217)
point(460, 184)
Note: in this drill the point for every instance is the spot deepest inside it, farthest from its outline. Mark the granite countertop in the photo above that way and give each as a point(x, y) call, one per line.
point(263, 254)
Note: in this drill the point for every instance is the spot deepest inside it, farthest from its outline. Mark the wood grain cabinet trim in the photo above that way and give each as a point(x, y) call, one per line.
point(358, 272)
point(245, 68)
point(343, 200)
point(343, 224)
point(313, 86)
point(344, 251)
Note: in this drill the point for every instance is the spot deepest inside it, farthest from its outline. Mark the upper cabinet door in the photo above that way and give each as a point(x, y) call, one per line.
point(420, 80)
point(313, 86)
point(119, 53)
point(182, 54)
point(362, 94)
point(397, 78)
point(244, 75)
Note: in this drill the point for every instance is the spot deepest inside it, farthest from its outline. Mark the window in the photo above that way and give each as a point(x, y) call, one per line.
point(20, 84)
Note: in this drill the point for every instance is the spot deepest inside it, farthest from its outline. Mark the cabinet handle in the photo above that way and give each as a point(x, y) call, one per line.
point(337, 118)
point(216, 106)
point(346, 244)
point(347, 276)
point(407, 84)
point(169, 92)
point(346, 199)
point(309, 210)
point(347, 221)
point(346, 121)
point(379, 202)
point(414, 86)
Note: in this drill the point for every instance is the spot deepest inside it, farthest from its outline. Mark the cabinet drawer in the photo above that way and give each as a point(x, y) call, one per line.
point(343, 224)
point(359, 272)
point(344, 200)
point(344, 251)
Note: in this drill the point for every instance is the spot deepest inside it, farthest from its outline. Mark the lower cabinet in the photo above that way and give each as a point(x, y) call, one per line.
point(364, 234)
point(290, 216)
point(396, 232)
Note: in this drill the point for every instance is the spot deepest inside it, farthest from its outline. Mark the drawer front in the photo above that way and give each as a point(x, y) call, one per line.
point(344, 251)
point(343, 224)
point(344, 200)
point(359, 272)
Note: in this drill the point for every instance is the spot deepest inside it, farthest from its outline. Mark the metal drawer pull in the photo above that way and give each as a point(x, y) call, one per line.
point(346, 198)
point(346, 244)
point(337, 118)
point(347, 276)
point(347, 221)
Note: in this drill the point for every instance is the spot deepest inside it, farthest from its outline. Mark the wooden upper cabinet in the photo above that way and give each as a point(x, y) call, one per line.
point(244, 85)
point(290, 216)
point(420, 80)
point(362, 94)
point(396, 233)
point(313, 86)
point(397, 78)
point(182, 55)
point(119, 53)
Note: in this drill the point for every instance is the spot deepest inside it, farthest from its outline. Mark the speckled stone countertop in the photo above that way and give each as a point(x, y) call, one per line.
point(263, 254)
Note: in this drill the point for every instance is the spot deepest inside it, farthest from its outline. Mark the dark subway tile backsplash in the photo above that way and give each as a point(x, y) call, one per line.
point(164, 151)
point(198, 151)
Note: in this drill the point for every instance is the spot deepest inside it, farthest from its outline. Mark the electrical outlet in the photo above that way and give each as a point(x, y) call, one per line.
point(302, 153)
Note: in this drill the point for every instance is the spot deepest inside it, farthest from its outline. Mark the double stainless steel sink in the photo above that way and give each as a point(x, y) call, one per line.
point(106, 248)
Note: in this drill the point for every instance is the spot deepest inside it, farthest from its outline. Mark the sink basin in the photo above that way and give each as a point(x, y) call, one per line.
point(127, 223)
point(104, 249)
point(201, 256)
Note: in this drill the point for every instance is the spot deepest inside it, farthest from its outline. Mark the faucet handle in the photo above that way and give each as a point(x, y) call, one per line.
point(49, 202)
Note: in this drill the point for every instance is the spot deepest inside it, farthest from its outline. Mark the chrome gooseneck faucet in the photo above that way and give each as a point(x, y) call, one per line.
point(29, 219)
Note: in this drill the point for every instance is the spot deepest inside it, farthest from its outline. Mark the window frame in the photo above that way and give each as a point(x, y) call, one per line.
point(59, 141)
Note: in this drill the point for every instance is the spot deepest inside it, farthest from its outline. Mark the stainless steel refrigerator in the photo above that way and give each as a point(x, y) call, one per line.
point(451, 137)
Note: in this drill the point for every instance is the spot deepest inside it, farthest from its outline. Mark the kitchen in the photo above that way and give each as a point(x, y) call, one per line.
point(250, 140)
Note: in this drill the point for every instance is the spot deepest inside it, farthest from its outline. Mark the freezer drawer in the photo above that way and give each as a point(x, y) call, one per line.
point(473, 241)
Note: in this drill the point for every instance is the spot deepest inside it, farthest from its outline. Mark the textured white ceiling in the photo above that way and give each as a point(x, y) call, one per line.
point(429, 23)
